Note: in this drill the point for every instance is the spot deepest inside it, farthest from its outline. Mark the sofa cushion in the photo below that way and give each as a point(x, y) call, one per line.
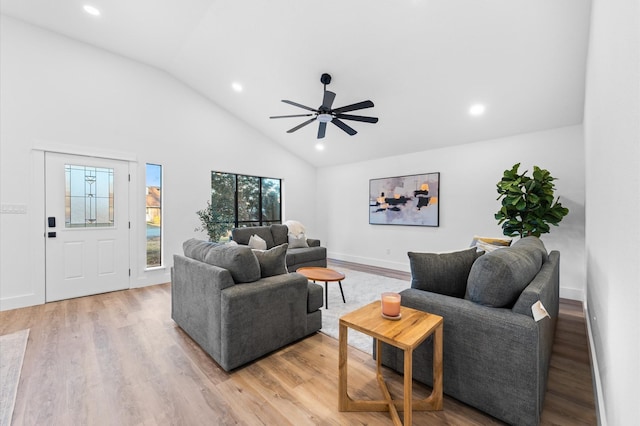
point(197, 249)
point(242, 235)
point(497, 278)
point(442, 273)
point(279, 234)
point(297, 256)
point(238, 260)
point(297, 241)
point(272, 261)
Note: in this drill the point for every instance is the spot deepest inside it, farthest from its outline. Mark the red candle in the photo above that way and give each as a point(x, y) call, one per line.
point(391, 304)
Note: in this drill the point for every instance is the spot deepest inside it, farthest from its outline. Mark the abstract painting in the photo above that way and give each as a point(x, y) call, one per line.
point(405, 200)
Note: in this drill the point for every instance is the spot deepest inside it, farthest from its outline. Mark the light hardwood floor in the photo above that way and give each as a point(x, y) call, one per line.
point(119, 359)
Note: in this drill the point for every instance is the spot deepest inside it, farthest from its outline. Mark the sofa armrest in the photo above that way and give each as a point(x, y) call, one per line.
point(312, 242)
point(262, 316)
point(195, 300)
point(491, 356)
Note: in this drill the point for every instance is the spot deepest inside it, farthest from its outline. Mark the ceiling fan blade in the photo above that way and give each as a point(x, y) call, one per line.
point(287, 116)
point(344, 127)
point(328, 99)
point(357, 118)
point(301, 125)
point(353, 107)
point(322, 128)
point(299, 105)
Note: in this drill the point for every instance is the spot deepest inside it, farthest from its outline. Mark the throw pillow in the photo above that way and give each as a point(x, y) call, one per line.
point(488, 244)
point(279, 234)
point(272, 261)
point(239, 260)
point(295, 227)
point(496, 241)
point(535, 244)
point(497, 278)
point(298, 241)
point(442, 273)
point(255, 242)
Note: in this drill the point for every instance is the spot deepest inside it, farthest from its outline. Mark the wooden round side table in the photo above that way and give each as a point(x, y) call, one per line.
point(318, 273)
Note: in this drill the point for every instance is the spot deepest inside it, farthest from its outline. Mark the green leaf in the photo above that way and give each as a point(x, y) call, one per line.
point(527, 203)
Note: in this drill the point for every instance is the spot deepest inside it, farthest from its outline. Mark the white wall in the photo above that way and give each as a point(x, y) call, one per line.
point(58, 93)
point(612, 139)
point(468, 177)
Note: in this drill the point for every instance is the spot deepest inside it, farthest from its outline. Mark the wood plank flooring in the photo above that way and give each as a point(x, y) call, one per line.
point(119, 359)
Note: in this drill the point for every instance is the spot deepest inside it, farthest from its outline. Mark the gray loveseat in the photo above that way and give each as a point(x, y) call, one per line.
point(495, 355)
point(274, 235)
point(239, 305)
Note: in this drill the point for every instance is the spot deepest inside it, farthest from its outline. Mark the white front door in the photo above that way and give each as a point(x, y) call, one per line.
point(87, 225)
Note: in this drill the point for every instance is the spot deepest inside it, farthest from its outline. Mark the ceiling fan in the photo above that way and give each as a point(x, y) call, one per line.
point(325, 114)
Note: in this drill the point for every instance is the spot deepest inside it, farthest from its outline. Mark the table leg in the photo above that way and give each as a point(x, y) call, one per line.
point(343, 397)
point(437, 369)
point(393, 411)
point(341, 292)
point(408, 386)
point(326, 296)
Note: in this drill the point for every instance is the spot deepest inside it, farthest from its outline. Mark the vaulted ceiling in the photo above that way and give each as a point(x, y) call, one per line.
point(423, 63)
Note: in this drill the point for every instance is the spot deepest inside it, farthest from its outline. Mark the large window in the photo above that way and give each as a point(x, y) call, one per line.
point(154, 215)
point(240, 200)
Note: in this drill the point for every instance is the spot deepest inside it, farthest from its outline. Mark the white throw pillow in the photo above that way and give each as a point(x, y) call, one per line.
point(297, 241)
point(255, 242)
point(295, 227)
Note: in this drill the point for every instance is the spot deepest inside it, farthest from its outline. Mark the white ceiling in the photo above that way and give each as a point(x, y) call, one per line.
point(422, 62)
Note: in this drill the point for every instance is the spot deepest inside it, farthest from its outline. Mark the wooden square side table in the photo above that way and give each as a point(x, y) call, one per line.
point(406, 333)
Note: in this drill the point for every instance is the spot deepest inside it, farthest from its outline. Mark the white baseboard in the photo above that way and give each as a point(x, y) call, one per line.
point(595, 372)
point(573, 294)
point(22, 301)
point(397, 266)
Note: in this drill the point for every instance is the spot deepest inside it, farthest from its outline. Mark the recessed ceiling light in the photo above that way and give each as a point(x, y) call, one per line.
point(236, 86)
point(91, 10)
point(319, 146)
point(477, 109)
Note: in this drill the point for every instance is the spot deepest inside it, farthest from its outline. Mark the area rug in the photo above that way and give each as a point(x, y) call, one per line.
point(12, 348)
point(360, 288)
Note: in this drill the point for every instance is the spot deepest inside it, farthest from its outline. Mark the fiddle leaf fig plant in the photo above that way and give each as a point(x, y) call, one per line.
point(528, 203)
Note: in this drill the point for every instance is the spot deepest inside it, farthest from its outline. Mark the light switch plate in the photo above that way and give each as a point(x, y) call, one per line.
point(13, 209)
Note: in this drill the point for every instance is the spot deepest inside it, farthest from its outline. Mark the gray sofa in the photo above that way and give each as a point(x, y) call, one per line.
point(495, 355)
point(275, 235)
point(239, 305)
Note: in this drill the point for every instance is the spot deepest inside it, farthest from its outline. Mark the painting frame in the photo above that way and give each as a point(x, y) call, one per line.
point(408, 200)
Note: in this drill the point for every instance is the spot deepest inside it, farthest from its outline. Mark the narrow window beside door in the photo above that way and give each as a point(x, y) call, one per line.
point(154, 215)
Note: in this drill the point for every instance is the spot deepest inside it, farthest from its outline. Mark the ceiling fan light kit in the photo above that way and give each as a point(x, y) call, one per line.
point(325, 114)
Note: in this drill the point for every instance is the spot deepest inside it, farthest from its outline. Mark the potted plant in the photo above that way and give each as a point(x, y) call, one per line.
point(214, 222)
point(528, 203)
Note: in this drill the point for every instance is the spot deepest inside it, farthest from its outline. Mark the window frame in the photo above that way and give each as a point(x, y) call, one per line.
point(160, 217)
point(261, 220)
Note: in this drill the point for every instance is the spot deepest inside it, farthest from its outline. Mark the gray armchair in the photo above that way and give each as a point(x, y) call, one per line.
point(495, 355)
point(235, 313)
